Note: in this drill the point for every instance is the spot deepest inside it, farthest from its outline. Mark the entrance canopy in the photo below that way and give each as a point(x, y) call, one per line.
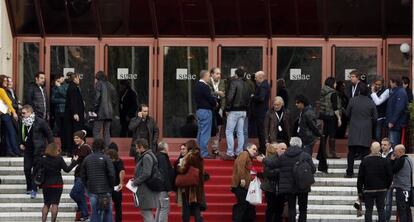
point(211, 18)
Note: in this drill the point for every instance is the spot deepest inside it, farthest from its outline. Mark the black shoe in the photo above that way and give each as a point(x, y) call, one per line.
point(11, 155)
point(348, 175)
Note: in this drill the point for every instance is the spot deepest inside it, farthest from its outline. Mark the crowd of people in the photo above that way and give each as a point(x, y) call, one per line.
point(367, 111)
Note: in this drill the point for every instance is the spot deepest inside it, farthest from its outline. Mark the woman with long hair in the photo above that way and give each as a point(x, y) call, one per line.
point(6, 113)
point(191, 198)
point(53, 163)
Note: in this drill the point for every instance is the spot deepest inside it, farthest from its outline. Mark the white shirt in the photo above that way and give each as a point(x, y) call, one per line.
point(379, 100)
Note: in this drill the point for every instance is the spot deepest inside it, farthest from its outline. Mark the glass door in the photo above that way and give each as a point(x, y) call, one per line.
point(364, 55)
point(397, 63)
point(180, 62)
point(300, 64)
point(128, 66)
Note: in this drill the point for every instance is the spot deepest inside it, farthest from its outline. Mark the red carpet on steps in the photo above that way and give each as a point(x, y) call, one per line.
point(219, 198)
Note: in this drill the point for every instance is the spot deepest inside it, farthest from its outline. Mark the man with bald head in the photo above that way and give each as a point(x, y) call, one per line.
point(260, 104)
point(374, 179)
point(402, 169)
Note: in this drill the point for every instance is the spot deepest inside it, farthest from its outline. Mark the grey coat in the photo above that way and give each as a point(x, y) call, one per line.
point(148, 199)
point(105, 100)
point(362, 112)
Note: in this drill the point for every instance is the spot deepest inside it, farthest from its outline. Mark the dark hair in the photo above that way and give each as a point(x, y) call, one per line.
point(72, 76)
point(113, 146)
point(240, 72)
point(302, 99)
point(405, 80)
point(69, 74)
point(213, 69)
point(330, 81)
point(58, 76)
point(112, 154)
point(143, 143)
point(192, 145)
point(98, 145)
point(80, 133)
point(340, 86)
point(397, 81)
point(52, 150)
point(363, 90)
point(39, 73)
point(2, 78)
point(28, 108)
point(280, 83)
point(142, 105)
point(100, 75)
point(356, 73)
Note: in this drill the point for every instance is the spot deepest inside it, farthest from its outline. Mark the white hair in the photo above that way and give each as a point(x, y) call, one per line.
point(295, 141)
point(280, 99)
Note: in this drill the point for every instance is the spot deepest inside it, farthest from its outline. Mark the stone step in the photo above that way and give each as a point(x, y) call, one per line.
point(339, 218)
point(34, 207)
point(21, 188)
point(24, 198)
point(35, 216)
point(18, 170)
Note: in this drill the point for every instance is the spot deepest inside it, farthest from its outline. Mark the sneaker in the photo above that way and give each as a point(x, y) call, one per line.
point(28, 192)
point(33, 194)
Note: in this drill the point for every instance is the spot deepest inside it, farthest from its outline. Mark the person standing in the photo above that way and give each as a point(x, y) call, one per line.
point(243, 211)
point(380, 95)
point(148, 199)
point(218, 88)
point(237, 104)
point(167, 170)
point(98, 176)
point(282, 91)
point(406, 86)
point(52, 186)
point(143, 126)
point(374, 179)
point(12, 94)
point(362, 112)
point(7, 114)
point(387, 152)
point(276, 123)
point(104, 104)
point(36, 96)
point(77, 193)
point(74, 111)
point(260, 103)
point(356, 84)
point(306, 129)
point(402, 167)
point(397, 117)
point(58, 100)
point(34, 135)
point(329, 113)
point(205, 103)
point(128, 106)
point(119, 182)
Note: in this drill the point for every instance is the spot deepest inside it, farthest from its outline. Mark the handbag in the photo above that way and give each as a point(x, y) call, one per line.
point(189, 179)
point(254, 193)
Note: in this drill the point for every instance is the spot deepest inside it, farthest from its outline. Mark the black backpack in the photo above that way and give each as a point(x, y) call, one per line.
point(156, 181)
point(302, 174)
point(39, 174)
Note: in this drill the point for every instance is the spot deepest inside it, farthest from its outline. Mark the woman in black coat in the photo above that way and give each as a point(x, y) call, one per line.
point(74, 111)
point(52, 185)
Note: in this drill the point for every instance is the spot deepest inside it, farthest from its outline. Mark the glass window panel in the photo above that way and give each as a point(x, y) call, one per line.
point(54, 16)
point(136, 61)
point(140, 18)
point(398, 64)
point(251, 58)
point(28, 65)
point(178, 93)
point(24, 14)
point(362, 58)
point(82, 60)
point(301, 68)
point(114, 16)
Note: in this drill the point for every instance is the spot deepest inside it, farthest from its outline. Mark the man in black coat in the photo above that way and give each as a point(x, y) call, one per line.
point(98, 175)
point(36, 96)
point(374, 179)
point(34, 135)
point(287, 183)
point(260, 102)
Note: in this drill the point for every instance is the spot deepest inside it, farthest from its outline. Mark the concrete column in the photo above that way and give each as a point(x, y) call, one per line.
point(6, 42)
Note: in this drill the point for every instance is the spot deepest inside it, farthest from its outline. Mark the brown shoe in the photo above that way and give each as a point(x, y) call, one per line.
point(227, 157)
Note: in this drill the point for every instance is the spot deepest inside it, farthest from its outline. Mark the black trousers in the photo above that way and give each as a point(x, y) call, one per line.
point(243, 211)
point(379, 198)
point(352, 150)
point(117, 199)
point(29, 163)
point(274, 207)
point(260, 134)
point(403, 205)
point(60, 121)
point(303, 206)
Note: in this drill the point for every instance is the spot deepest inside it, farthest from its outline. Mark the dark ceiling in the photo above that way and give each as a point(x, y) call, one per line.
point(211, 18)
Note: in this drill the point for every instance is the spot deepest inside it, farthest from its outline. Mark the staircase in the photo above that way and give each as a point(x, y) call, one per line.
point(331, 198)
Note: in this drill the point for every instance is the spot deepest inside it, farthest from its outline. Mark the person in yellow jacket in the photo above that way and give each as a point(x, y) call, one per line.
point(6, 113)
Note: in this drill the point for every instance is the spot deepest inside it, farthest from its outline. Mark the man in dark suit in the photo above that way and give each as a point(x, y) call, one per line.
point(260, 102)
point(36, 96)
point(355, 88)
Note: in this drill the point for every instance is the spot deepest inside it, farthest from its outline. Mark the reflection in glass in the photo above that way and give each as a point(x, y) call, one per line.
point(301, 68)
point(251, 58)
point(398, 64)
point(178, 89)
point(82, 60)
point(135, 62)
point(363, 59)
point(28, 65)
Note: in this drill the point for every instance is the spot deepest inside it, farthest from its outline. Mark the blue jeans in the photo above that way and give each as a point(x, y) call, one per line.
point(245, 132)
point(100, 215)
point(205, 118)
point(388, 204)
point(235, 119)
point(10, 134)
point(394, 136)
point(78, 195)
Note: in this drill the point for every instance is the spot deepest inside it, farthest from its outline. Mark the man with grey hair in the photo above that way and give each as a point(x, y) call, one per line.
point(288, 186)
point(374, 179)
point(205, 103)
point(276, 123)
point(164, 165)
